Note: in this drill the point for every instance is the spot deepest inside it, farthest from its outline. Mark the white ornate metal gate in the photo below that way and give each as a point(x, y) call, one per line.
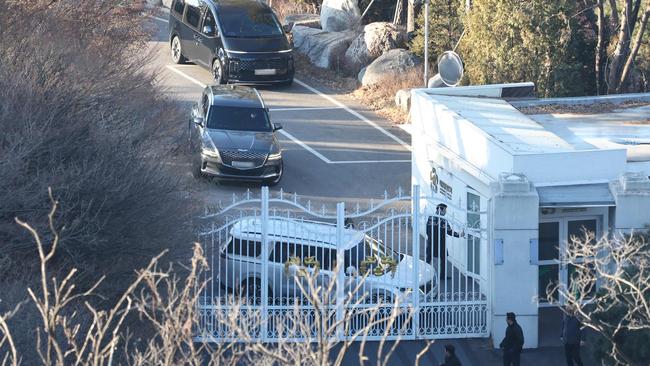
point(282, 270)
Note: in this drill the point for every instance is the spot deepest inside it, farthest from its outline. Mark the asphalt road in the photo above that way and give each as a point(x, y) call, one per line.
point(333, 148)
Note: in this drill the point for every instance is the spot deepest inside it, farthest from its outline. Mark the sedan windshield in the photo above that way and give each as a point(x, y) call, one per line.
point(238, 119)
point(249, 23)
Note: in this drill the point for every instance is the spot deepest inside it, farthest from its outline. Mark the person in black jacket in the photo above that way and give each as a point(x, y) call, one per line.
point(437, 231)
point(571, 336)
point(450, 356)
point(513, 342)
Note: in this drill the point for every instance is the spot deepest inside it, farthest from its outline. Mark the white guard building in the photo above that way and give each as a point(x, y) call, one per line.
point(541, 178)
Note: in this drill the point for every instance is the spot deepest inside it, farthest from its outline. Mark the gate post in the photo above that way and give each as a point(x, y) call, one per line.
point(415, 227)
point(514, 210)
point(264, 301)
point(340, 271)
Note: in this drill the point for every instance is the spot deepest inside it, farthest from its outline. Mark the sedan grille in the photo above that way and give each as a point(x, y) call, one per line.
point(255, 157)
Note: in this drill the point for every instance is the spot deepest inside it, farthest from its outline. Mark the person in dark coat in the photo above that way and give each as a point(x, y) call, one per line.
point(571, 336)
point(437, 231)
point(513, 342)
point(450, 356)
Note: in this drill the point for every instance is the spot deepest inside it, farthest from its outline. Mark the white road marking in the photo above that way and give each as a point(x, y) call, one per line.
point(302, 144)
point(159, 18)
point(368, 161)
point(179, 72)
point(354, 113)
point(302, 109)
point(328, 161)
point(305, 146)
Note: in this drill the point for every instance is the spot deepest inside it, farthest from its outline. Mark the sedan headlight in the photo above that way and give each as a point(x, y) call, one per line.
point(209, 150)
point(211, 153)
point(275, 153)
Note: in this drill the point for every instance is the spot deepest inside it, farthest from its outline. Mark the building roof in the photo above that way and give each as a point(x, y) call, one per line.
point(519, 133)
point(475, 127)
point(622, 128)
point(515, 131)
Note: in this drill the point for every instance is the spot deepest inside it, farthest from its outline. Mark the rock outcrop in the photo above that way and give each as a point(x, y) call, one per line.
point(339, 15)
point(324, 49)
point(389, 65)
point(376, 39)
point(306, 20)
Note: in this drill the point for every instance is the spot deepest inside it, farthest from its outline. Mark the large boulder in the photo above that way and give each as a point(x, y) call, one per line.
point(376, 39)
point(390, 65)
point(307, 20)
point(339, 15)
point(324, 49)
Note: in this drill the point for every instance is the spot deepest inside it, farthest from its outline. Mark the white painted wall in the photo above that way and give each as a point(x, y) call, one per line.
point(571, 166)
point(632, 195)
point(514, 219)
point(457, 138)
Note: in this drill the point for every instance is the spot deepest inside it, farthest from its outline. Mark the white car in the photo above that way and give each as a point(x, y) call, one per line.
point(299, 246)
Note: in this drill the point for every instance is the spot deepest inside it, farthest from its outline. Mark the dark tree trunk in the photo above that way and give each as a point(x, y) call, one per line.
point(635, 49)
point(622, 49)
point(410, 16)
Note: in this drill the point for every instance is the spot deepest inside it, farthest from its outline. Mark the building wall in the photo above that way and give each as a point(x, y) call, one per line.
point(514, 219)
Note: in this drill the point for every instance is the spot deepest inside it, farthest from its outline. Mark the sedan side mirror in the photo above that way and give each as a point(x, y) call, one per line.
point(277, 126)
point(198, 121)
point(287, 28)
point(209, 30)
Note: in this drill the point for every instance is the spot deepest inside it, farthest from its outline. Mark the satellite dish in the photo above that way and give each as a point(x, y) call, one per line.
point(450, 70)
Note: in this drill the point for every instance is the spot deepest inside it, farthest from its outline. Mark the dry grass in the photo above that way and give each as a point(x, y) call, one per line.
point(581, 108)
point(380, 97)
point(91, 128)
point(283, 8)
point(78, 114)
point(332, 79)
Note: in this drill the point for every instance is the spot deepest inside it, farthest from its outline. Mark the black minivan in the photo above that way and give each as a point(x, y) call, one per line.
point(241, 41)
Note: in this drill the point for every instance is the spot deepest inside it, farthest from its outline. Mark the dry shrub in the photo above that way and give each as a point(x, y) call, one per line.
point(162, 306)
point(283, 8)
point(332, 79)
point(381, 96)
point(79, 112)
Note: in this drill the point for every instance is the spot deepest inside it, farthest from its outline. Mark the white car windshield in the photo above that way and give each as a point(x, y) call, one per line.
point(369, 247)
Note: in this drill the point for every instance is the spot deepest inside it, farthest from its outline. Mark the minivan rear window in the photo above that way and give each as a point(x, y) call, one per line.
point(249, 23)
point(178, 6)
point(193, 16)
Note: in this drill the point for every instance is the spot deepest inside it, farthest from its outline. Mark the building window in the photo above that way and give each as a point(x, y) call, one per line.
point(473, 241)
